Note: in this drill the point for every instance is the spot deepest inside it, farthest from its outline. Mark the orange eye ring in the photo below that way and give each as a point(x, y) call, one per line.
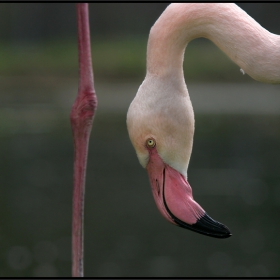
point(150, 143)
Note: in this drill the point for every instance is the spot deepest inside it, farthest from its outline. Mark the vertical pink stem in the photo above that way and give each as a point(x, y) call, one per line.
point(82, 114)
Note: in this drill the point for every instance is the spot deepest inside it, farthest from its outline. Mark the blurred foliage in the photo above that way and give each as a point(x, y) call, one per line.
point(40, 39)
point(122, 59)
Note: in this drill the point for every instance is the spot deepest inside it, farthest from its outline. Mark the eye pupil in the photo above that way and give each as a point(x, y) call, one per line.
point(151, 143)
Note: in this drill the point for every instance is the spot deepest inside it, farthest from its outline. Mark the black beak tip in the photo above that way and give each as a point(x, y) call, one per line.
point(206, 225)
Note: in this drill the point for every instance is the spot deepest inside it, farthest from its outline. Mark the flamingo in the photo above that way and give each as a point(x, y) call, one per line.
point(160, 119)
point(82, 115)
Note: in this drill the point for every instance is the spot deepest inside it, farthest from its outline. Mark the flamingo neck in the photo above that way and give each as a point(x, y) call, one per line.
point(248, 44)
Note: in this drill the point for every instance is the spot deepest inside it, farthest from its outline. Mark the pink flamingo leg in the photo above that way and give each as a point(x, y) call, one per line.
point(82, 114)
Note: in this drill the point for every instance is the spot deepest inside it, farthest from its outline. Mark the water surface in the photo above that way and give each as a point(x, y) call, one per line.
point(234, 173)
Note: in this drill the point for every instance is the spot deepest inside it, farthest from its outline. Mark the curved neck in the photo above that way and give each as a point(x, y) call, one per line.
point(247, 43)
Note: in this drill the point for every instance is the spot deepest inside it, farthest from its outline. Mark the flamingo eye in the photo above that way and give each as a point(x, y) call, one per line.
point(150, 143)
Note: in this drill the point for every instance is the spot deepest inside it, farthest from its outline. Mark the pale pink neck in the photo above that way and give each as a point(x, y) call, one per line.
point(248, 44)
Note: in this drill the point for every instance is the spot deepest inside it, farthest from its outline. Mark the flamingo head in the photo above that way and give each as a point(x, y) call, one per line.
point(161, 128)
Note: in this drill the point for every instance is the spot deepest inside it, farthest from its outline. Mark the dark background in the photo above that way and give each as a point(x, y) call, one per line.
point(35, 22)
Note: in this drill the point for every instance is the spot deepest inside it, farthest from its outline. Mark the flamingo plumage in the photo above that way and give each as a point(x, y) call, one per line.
point(160, 119)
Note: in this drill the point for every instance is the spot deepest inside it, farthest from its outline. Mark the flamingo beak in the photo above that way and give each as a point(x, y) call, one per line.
point(173, 197)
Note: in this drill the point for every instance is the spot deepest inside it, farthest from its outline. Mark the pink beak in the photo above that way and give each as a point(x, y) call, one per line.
point(173, 196)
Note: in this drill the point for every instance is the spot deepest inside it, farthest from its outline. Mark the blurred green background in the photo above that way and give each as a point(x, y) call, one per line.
point(234, 168)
